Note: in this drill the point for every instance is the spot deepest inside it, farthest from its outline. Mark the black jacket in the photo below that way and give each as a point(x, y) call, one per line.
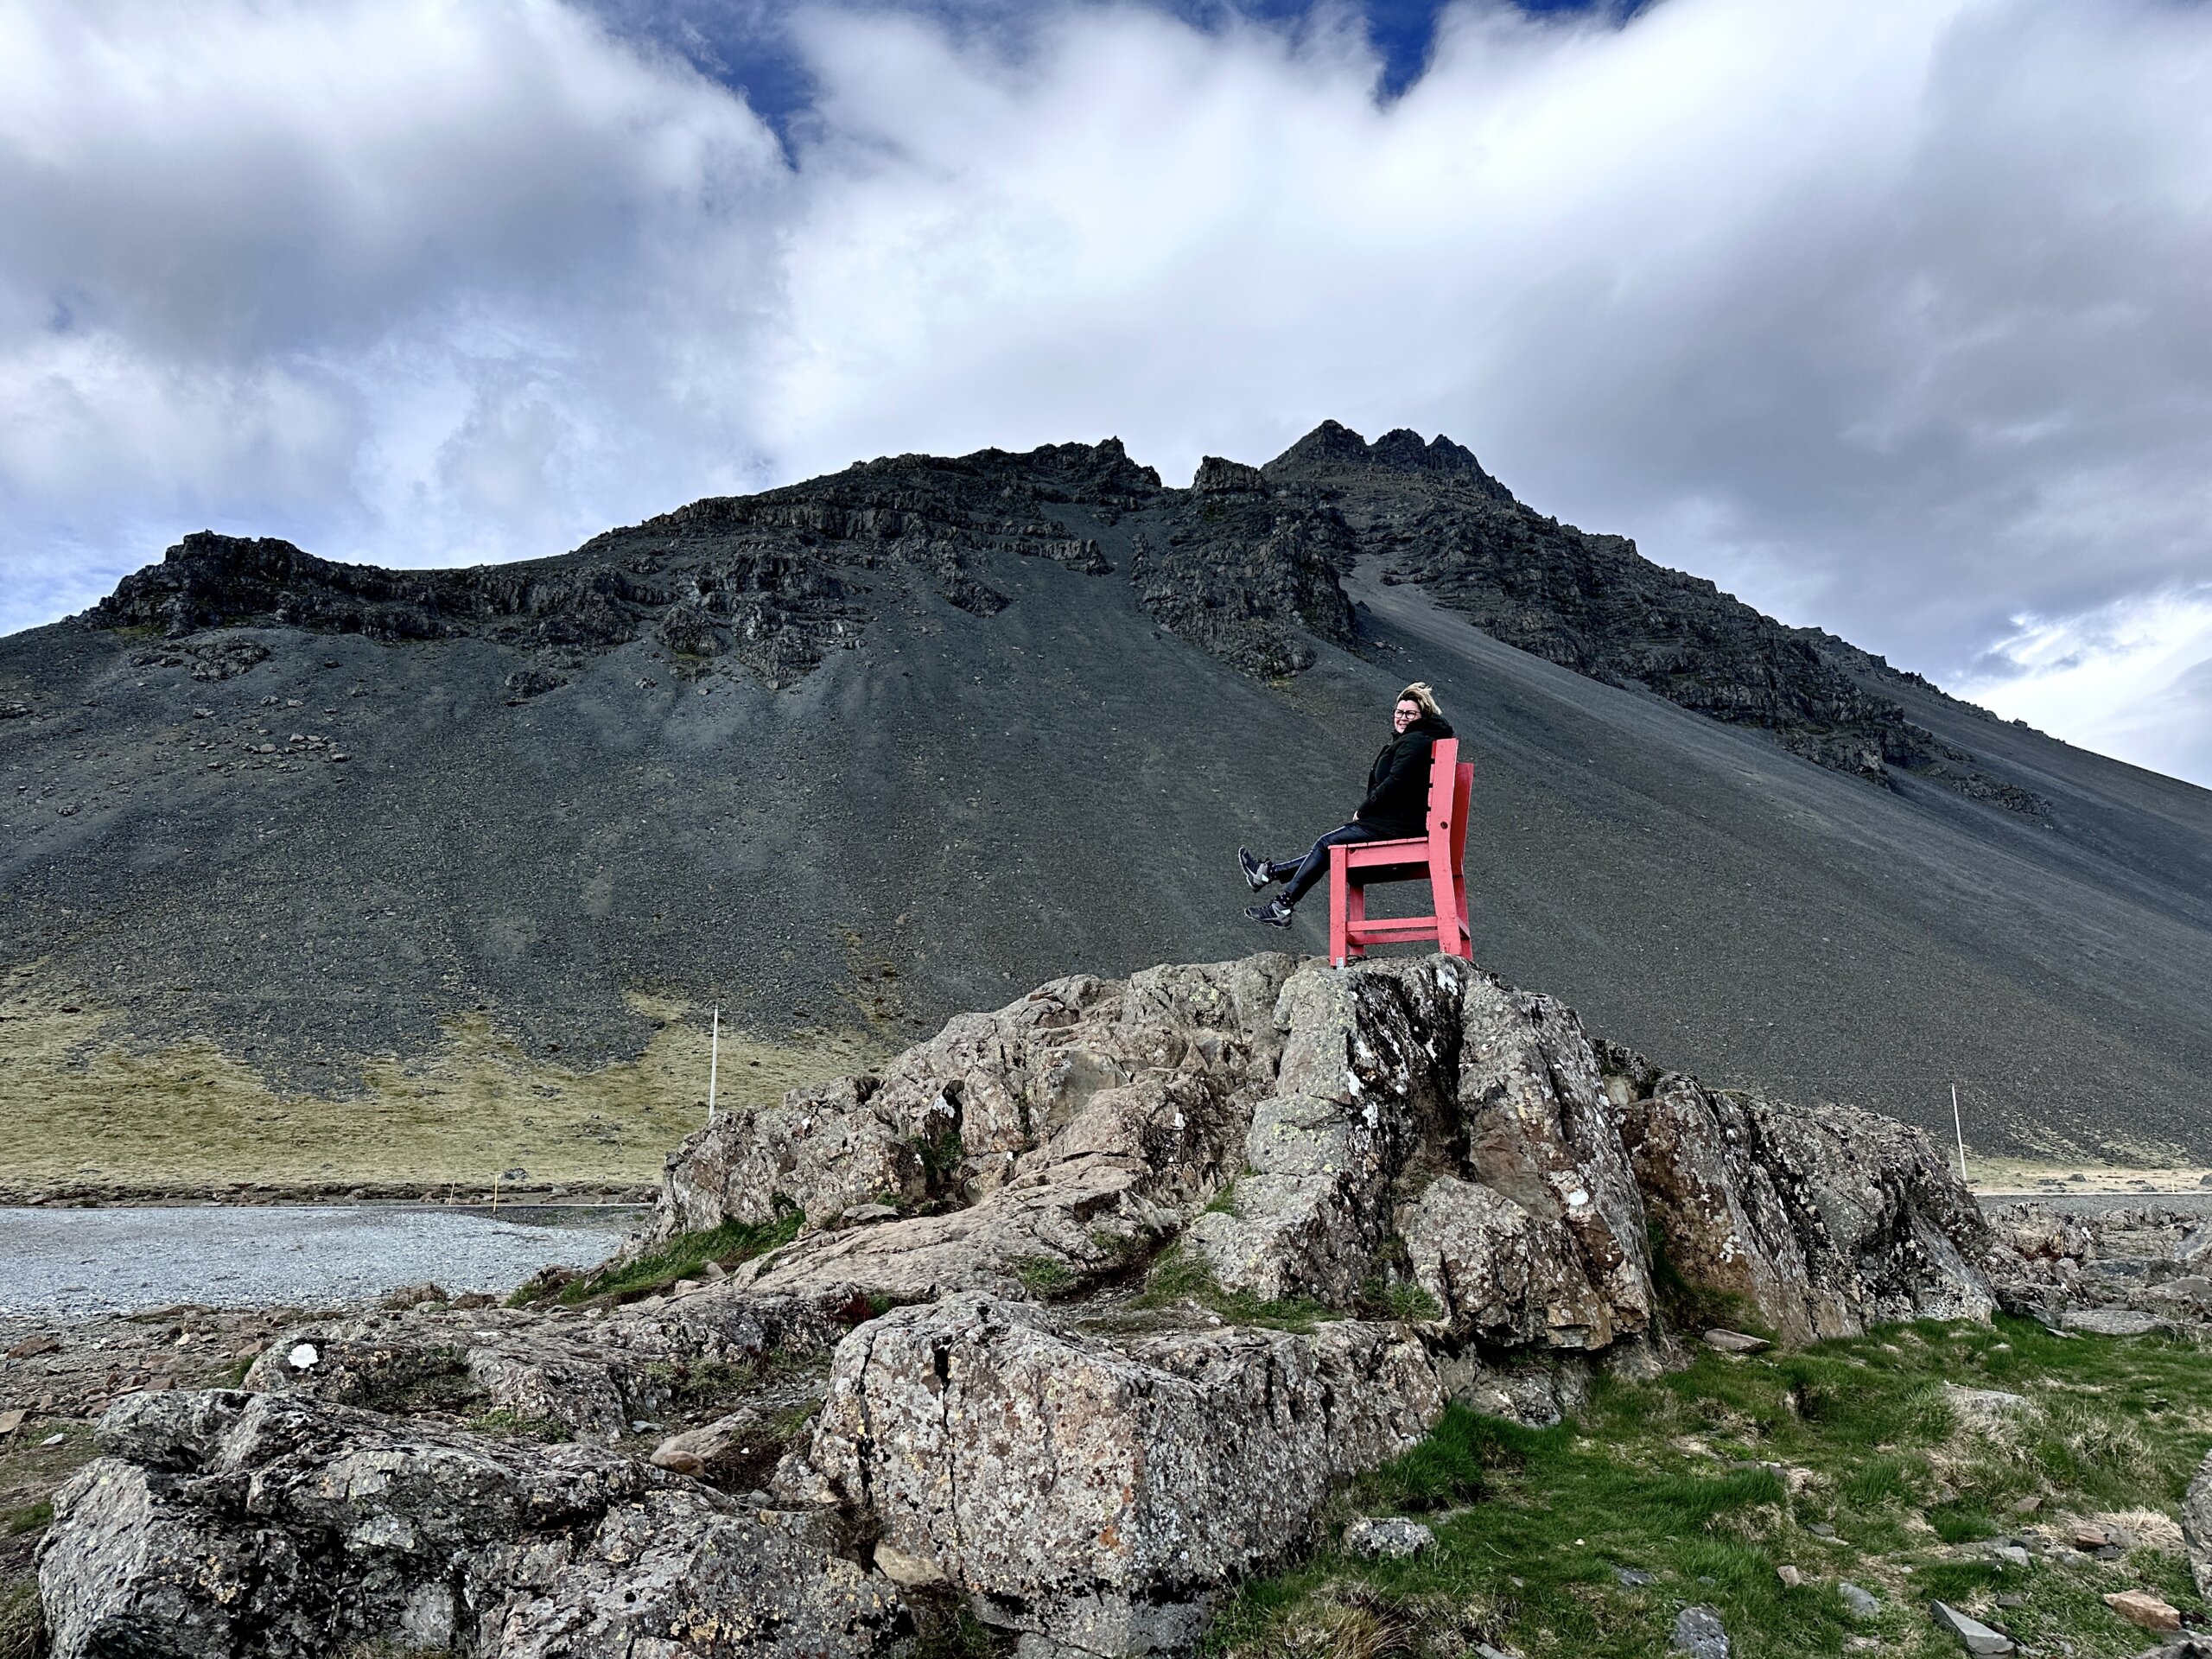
point(1397, 785)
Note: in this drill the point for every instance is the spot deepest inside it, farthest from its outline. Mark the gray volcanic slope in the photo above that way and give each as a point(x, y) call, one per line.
point(886, 745)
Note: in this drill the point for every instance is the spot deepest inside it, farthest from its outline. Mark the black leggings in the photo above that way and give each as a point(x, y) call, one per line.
point(1302, 874)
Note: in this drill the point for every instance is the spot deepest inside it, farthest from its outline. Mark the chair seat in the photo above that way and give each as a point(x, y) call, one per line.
point(1361, 854)
point(1377, 863)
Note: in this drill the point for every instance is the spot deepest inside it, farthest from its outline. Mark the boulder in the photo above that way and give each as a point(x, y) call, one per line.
point(1093, 1496)
point(285, 1527)
point(1427, 1098)
point(1824, 1220)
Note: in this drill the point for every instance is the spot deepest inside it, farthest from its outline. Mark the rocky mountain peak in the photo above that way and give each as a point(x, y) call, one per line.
point(1218, 477)
point(1333, 453)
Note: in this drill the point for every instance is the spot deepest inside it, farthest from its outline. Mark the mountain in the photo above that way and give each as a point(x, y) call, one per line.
point(859, 752)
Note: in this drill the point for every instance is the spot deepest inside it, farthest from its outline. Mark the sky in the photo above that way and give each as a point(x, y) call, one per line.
point(1890, 316)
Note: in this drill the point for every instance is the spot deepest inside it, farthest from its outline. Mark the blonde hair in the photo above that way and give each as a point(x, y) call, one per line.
point(1419, 692)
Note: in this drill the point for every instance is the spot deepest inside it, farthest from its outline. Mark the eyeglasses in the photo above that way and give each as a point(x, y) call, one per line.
point(1408, 710)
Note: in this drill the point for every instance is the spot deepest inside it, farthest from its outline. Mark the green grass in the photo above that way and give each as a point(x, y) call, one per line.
point(84, 1104)
point(21, 1628)
point(29, 1518)
point(1711, 1478)
point(1043, 1277)
point(513, 1426)
point(1397, 1298)
point(682, 1256)
point(1180, 1275)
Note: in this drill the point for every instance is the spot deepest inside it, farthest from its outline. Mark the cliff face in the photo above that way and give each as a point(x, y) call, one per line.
point(1247, 563)
point(863, 751)
point(1097, 1299)
point(1592, 603)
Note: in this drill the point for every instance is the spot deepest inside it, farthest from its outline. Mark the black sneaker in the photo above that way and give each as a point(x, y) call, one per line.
point(1255, 870)
point(1274, 913)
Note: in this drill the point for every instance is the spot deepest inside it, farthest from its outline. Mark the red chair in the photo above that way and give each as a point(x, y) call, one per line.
point(1439, 858)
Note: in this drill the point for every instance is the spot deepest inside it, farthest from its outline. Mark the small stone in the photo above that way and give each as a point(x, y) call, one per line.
point(30, 1347)
point(1975, 1636)
point(2026, 1505)
point(11, 1419)
point(2141, 1607)
point(2011, 1555)
point(1820, 1530)
point(304, 1357)
point(51, 1440)
point(2011, 1599)
point(1986, 1407)
point(2090, 1538)
point(1634, 1578)
point(1390, 1538)
point(1790, 1576)
point(1858, 1603)
point(1698, 1633)
point(1734, 1342)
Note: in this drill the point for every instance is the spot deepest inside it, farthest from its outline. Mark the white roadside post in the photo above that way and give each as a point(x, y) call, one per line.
point(713, 1061)
point(1959, 1129)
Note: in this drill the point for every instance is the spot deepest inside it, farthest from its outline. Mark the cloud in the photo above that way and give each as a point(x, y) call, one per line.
point(409, 282)
point(2132, 678)
point(1888, 316)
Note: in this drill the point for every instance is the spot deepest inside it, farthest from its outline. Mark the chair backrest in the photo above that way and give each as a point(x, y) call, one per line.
point(1450, 785)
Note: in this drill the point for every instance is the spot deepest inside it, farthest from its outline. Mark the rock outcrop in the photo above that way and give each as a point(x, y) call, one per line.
point(227, 1523)
point(1096, 1298)
point(1825, 1221)
point(1306, 1133)
point(2149, 1260)
point(1093, 1496)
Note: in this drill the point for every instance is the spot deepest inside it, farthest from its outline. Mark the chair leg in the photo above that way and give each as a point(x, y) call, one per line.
point(1339, 909)
point(1442, 900)
point(1466, 925)
point(1355, 913)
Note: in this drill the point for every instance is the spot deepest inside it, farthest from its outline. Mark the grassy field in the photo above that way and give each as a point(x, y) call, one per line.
point(1712, 1479)
point(80, 1108)
point(2148, 1180)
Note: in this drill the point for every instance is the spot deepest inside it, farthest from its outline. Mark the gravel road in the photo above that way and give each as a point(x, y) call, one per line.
point(75, 1263)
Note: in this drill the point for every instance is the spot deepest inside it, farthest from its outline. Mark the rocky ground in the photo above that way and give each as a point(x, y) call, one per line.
point(343, 868)
point(1045, 1334)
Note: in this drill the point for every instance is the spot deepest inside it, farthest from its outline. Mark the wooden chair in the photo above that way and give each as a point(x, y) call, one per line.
point(1438, 857)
